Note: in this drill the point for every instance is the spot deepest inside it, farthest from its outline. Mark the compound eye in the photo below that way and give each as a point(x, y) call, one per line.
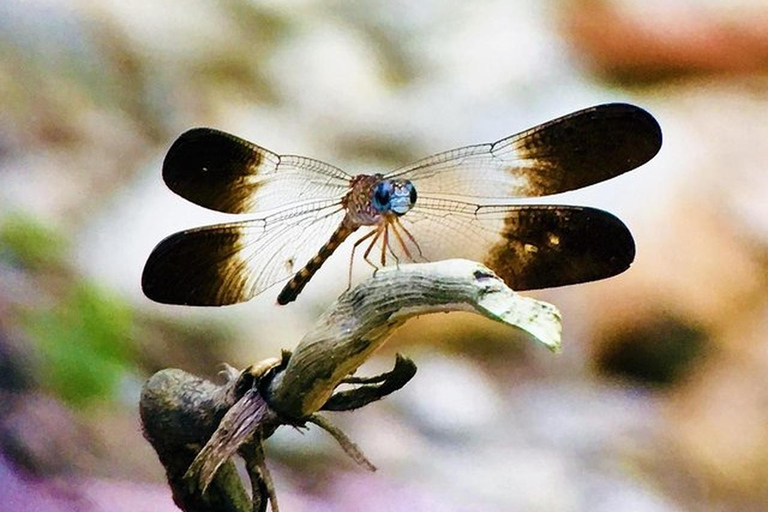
point(413, 194)
point(382, 196)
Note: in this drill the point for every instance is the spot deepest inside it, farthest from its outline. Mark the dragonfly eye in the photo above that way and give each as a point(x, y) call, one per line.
point(403, 197)
point(412, 193)
point(382, 196)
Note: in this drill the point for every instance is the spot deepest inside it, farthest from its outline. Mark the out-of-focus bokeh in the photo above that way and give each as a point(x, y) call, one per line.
point(660, 399)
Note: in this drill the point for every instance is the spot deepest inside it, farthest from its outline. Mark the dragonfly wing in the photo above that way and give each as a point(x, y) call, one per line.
point(226, 173)
point(548, 246)
point(571, 152)
point(529, 246)
point(231, 263)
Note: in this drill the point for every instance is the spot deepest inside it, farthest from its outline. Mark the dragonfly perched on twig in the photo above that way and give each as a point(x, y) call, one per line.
point(445, 205)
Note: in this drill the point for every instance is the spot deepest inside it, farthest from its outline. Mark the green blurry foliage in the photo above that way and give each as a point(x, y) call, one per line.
point(25, 242)
point(84, 344)
point(81, 334)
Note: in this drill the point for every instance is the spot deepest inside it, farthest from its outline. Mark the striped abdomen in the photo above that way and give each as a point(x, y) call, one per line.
point(297, 283)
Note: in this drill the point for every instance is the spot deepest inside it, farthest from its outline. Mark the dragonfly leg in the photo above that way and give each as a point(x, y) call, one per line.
point(399, 237)
point(384, 245)
point(352, 258)
point(412, 239)
point(377, 232)
point(392, 252)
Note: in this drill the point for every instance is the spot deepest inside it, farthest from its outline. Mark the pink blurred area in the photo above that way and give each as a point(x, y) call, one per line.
point(59, 495)
point(659, 401)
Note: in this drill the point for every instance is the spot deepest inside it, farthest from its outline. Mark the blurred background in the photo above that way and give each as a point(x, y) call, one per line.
point(659, 401)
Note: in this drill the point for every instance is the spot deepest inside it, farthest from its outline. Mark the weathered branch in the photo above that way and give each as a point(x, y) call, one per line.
point(360, 321)
point(196, 426)
point(179, 413)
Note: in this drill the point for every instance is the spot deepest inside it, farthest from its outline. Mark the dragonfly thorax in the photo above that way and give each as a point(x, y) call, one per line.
point(396, 196)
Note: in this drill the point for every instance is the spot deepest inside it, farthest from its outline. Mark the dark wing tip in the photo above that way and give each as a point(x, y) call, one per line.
point(208, 167)
point(602, 246)
point(621, 136)
point(188, 152)
point(550, 246)
point(644, 127)
point(612, 243)
point(586, 147)
point(195, 268)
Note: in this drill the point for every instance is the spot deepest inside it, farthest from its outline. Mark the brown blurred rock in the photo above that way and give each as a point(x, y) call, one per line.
point(666, 40)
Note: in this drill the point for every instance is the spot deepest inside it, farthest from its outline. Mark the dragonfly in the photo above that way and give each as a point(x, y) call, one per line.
point(458, 203)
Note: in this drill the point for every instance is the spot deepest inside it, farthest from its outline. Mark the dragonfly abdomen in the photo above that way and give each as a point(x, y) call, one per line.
point(297, 283)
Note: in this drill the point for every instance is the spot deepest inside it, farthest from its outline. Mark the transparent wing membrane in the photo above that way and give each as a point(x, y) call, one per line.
point(571, 152)
point(231, 263)
point(529, 246)
point(226, 173)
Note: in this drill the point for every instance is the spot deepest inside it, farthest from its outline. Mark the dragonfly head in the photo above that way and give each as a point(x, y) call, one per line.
point(397, 196)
